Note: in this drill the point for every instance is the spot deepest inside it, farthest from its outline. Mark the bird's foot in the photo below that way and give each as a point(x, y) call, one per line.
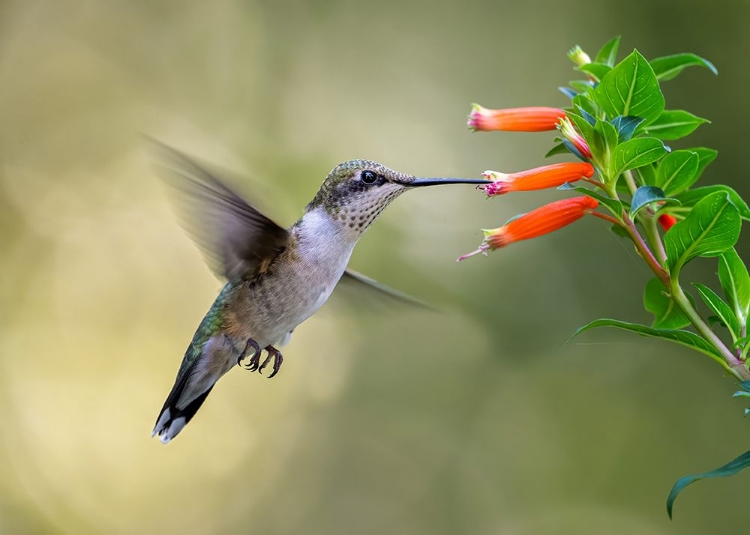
point(252, 364)
point(274, 354)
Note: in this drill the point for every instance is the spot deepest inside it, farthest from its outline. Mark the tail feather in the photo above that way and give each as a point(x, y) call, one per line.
point(171, 418)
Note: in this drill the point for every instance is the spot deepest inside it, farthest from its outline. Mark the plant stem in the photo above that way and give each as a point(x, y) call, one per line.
point(596, 183)
point(606, 218)
point(652, 233)
point(648, 222)
point(735, 365)
point(643, 250)
point(632, 186)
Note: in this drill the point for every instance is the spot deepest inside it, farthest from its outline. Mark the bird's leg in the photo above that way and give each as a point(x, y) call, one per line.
point(252, 364)
point(277, 360)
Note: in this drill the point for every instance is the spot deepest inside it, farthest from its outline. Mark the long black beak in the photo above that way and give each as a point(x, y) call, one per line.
point(421, 182)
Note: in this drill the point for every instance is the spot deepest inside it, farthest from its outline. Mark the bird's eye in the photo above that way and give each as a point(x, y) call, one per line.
point(369, 177)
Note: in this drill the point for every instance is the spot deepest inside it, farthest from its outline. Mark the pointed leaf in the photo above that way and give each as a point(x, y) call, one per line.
point(711, 228)
point(608, 53)
point(674, 124)
point(647, 175)
point(729, 469)
point(560, 148)
point(608, 137)
point(568, 92)
point(667, 315)
point(668, 67)
point(735, 282)
point(626, 126)
point(631, 88)
point(720, 308)
point(705, 157)
point(613, 205)
point(597, 70)
point(692, 197)
point(636, 153)
point(677, 171)
point(583, 126)
point(583, 102)
point(586, 115)
point(617, 230)
point(685, 338)
point(582, 86)
point(644, 196)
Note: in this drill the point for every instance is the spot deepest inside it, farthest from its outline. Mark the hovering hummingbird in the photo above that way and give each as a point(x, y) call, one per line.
point(276, 278)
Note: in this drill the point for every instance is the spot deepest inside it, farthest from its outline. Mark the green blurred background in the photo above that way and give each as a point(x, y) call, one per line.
point(478, 420)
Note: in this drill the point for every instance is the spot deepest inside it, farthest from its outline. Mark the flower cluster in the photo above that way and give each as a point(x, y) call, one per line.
point(616, 125)
point(552, 216)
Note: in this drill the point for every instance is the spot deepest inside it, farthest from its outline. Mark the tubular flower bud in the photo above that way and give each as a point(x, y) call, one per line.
point(543, 220)
point(578, 56)
point(666, 221)
point(570, 133)
point(514, 119)
point(548, 176)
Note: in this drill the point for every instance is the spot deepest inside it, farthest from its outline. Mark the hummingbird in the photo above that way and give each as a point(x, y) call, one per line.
point(274, 278)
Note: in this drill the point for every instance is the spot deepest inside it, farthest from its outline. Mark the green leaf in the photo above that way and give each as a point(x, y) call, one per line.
point(582, 86)
point(667, 315)
point(711, 228)
point(685, 338)
point(705, 157)
point(597, 70)
point(674, 124)
point(583, 102)
point(613, 205)
point(631, 88)
point(557, 149)
point(720, 308)
point(608, 136)
point(625, 126)
point(647, 174)
point(617, 230)
point(669, 67)
point(608, 53)
point(729, 469)
point(568, 92)
point(644, 196)
point(583, 126)
point(636, 153)
point(735, 282)
point(677, 171)
point(692, 197)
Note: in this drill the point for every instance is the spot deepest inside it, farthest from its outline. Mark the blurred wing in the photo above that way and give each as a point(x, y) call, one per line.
point(356, 288)
point(234, 237)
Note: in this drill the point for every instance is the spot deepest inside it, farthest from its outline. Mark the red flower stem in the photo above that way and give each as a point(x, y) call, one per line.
point(595, 183)
point(648, 222)
point(607, 218)
point(643, 250)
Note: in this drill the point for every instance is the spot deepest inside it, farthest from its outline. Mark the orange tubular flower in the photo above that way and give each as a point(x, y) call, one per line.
point(570, 133)
point(548, 176)
point(543, 220)
point(514, 119)
point(666, 221)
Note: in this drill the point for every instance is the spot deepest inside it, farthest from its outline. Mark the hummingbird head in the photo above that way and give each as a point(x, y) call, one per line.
point(356, 192)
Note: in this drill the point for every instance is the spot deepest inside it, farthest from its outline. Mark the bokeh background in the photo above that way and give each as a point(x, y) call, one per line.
point(480, 419)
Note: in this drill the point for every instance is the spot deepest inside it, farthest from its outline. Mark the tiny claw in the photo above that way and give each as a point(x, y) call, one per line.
point(252, 364)
point(277, 360)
